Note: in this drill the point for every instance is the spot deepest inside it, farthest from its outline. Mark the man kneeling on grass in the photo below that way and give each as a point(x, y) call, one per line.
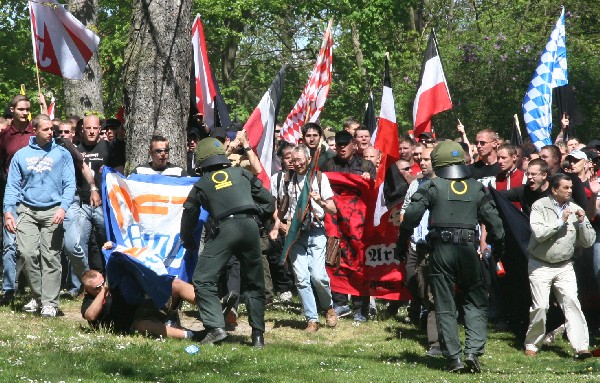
point(104, 307)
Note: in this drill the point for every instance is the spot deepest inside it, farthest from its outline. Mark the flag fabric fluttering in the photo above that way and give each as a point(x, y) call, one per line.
point(261, 126)
point(385, 138)
point(51, 108)
point(433, 95)
point(311, 102)
point(550, 73)
point(369, 119)
point(203, 78)
point(220, 109)
point(62, 45)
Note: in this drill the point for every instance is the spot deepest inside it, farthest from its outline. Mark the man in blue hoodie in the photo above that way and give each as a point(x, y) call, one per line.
point(40, 188)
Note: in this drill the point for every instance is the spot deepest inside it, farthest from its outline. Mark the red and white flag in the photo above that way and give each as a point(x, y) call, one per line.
point(51, 109)
point(62, 45)
point(433, 95)
point(261, 126)
point(312, 100)
point(205, 87)
point(385, 138)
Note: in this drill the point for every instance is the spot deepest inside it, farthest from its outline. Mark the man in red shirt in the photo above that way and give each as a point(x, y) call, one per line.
point(510, 176)
point(13, 138)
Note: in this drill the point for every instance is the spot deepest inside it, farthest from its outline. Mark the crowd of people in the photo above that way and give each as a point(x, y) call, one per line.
point(452, 236)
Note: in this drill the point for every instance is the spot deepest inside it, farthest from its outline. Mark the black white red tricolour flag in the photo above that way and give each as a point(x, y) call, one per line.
point(433, 95)
point(261, 126)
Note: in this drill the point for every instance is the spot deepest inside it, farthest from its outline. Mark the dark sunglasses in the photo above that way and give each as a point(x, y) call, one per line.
point(100, 285)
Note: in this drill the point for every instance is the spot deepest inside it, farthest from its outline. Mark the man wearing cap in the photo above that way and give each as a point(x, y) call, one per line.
point(159, 153)
point(577, 161)
point(456, 204)
point(233, 197)
point(346, 159)
point(426, 138)
point(192, 140)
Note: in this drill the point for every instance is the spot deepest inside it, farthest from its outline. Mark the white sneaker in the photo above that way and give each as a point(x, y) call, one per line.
point(32, 306)
point(49, 311)
point(285, 296)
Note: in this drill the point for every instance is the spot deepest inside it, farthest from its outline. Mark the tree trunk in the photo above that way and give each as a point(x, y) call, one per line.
point(359, 56)
point(85, 95)
point(450, 19)
point(230, 51)
point(157, 78)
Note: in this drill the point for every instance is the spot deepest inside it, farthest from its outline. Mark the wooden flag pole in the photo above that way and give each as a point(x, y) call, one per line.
point(517, 125)
point(37, 75)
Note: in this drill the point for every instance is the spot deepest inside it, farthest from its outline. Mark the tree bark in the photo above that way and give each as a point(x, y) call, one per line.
point(230, 51)
point(359, 56)
point(157, 78)
point(85, 95)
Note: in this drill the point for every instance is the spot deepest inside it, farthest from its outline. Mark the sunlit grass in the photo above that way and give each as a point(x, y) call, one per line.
point(33, 349)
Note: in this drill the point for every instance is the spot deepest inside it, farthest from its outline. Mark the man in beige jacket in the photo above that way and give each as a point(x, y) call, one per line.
point(557, 226)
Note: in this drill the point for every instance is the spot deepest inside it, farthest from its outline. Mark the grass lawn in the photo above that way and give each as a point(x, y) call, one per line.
point(62, 349)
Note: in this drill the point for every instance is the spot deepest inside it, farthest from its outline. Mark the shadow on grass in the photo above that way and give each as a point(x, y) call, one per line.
point(290, 323)
point(408, 357)
point(403, 331)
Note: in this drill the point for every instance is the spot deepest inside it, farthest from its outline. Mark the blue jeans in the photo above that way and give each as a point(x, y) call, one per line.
point(9, 259)
point(75, 252)
point(91, 217)
point(308, 260)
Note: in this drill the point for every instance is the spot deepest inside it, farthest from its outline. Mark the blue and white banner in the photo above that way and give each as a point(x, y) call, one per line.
point(550, 73)
point(142, 215)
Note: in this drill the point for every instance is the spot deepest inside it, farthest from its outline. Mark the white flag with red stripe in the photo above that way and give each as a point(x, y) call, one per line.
point(433, 95)
point(261, 126)
point(205, 88)
point(311, 102)
point(51, 109)
point(385, 138)
point(62, 45)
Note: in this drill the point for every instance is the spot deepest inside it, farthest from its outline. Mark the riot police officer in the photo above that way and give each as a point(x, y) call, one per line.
point(234, 199)
point(456, 203)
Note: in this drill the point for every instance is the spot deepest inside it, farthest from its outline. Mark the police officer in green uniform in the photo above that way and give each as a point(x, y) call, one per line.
point(456, 204)
point(234, 198)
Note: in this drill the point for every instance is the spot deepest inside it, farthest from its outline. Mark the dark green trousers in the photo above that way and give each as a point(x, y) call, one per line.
point(458, 265)
point(239, 236)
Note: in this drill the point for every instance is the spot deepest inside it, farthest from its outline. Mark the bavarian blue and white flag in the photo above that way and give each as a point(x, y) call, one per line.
point(550, 73)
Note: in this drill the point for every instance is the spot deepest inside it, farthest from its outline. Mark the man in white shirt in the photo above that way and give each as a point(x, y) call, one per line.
point(159, 164)
point(307, 254)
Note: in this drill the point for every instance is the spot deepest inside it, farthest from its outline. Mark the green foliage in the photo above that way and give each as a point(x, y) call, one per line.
point(489, 50)
point(113, 28)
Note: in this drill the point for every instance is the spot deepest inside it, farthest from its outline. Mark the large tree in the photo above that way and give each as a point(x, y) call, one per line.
point(156, 77)
point(85, 95)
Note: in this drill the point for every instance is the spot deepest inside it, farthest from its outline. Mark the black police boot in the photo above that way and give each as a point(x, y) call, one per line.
point(213, 335)
point(258, 339)
point(472, 362)
point(456, 365)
